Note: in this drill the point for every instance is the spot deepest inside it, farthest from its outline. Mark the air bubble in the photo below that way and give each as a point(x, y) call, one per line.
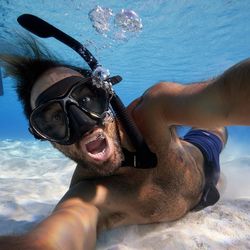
point(128, 20)
point(100, 18)
point(121, 27)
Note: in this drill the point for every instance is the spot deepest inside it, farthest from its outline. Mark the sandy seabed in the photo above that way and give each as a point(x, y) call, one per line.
point(34, 176)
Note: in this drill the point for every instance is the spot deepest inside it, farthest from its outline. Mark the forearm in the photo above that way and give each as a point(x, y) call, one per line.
point(226, 99)
point(71, 226)
point(235, 83)
point(222, 101)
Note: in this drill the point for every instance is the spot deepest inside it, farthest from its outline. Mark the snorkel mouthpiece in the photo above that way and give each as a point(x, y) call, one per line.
point(143, 158)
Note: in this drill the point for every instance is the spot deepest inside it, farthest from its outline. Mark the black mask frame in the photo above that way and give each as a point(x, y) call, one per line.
point(62, 96)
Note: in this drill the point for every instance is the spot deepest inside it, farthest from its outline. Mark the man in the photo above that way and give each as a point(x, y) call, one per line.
point(104, 195)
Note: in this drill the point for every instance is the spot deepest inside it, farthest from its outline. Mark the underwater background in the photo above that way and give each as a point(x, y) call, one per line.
point(145, 42)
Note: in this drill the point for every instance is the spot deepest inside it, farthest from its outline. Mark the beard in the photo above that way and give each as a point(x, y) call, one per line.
point(104, 168)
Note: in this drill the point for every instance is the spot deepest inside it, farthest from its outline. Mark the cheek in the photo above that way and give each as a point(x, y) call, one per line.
point(114, 138)
point(110, 130)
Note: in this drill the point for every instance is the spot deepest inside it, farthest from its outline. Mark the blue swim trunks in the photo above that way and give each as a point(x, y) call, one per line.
point(211, 146)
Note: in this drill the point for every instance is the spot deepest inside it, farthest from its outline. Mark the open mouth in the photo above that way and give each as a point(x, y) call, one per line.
point(96, 145)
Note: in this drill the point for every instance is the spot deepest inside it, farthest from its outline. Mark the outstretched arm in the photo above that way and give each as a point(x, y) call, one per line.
point(71, 226)
point(219, 102)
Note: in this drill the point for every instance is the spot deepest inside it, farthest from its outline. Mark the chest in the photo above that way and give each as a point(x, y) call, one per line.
point(173, 187)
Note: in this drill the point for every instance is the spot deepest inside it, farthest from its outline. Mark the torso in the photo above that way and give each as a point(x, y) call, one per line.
point(164, 193)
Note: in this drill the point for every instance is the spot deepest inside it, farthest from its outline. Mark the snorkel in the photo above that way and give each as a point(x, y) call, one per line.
point(143, 157)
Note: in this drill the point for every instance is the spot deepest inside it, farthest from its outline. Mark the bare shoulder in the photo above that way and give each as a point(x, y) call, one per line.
point(148, 111)
point(154, 103)
point(156, 91)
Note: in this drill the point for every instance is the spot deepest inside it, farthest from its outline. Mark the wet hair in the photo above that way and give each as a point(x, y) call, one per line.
point(26, 68)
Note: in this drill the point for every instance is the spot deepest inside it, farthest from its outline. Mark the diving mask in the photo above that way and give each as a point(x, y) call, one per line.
point(70, 108)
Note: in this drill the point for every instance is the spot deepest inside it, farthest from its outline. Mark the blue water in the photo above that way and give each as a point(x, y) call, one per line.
point(181, 41)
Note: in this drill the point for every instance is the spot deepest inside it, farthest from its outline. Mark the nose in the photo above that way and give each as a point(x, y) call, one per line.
point(80, 121)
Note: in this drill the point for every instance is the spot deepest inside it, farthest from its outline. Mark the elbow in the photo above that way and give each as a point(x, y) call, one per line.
point(164, 89)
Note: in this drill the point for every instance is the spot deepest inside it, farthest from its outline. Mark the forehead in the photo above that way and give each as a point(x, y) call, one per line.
point(48, 79)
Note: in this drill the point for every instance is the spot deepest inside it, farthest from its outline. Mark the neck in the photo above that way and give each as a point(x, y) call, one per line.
point(124, 139)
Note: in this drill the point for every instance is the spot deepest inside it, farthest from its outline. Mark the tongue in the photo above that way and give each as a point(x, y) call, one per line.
point(96, 146)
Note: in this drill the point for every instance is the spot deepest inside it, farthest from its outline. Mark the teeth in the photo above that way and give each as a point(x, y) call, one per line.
point(100, 153)
point(99, 136)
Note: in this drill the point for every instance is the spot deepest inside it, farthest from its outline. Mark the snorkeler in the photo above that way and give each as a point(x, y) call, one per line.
point(113, 185)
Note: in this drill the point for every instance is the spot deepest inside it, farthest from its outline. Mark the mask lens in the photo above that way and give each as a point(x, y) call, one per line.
point(51, 121)
point(91, 99)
